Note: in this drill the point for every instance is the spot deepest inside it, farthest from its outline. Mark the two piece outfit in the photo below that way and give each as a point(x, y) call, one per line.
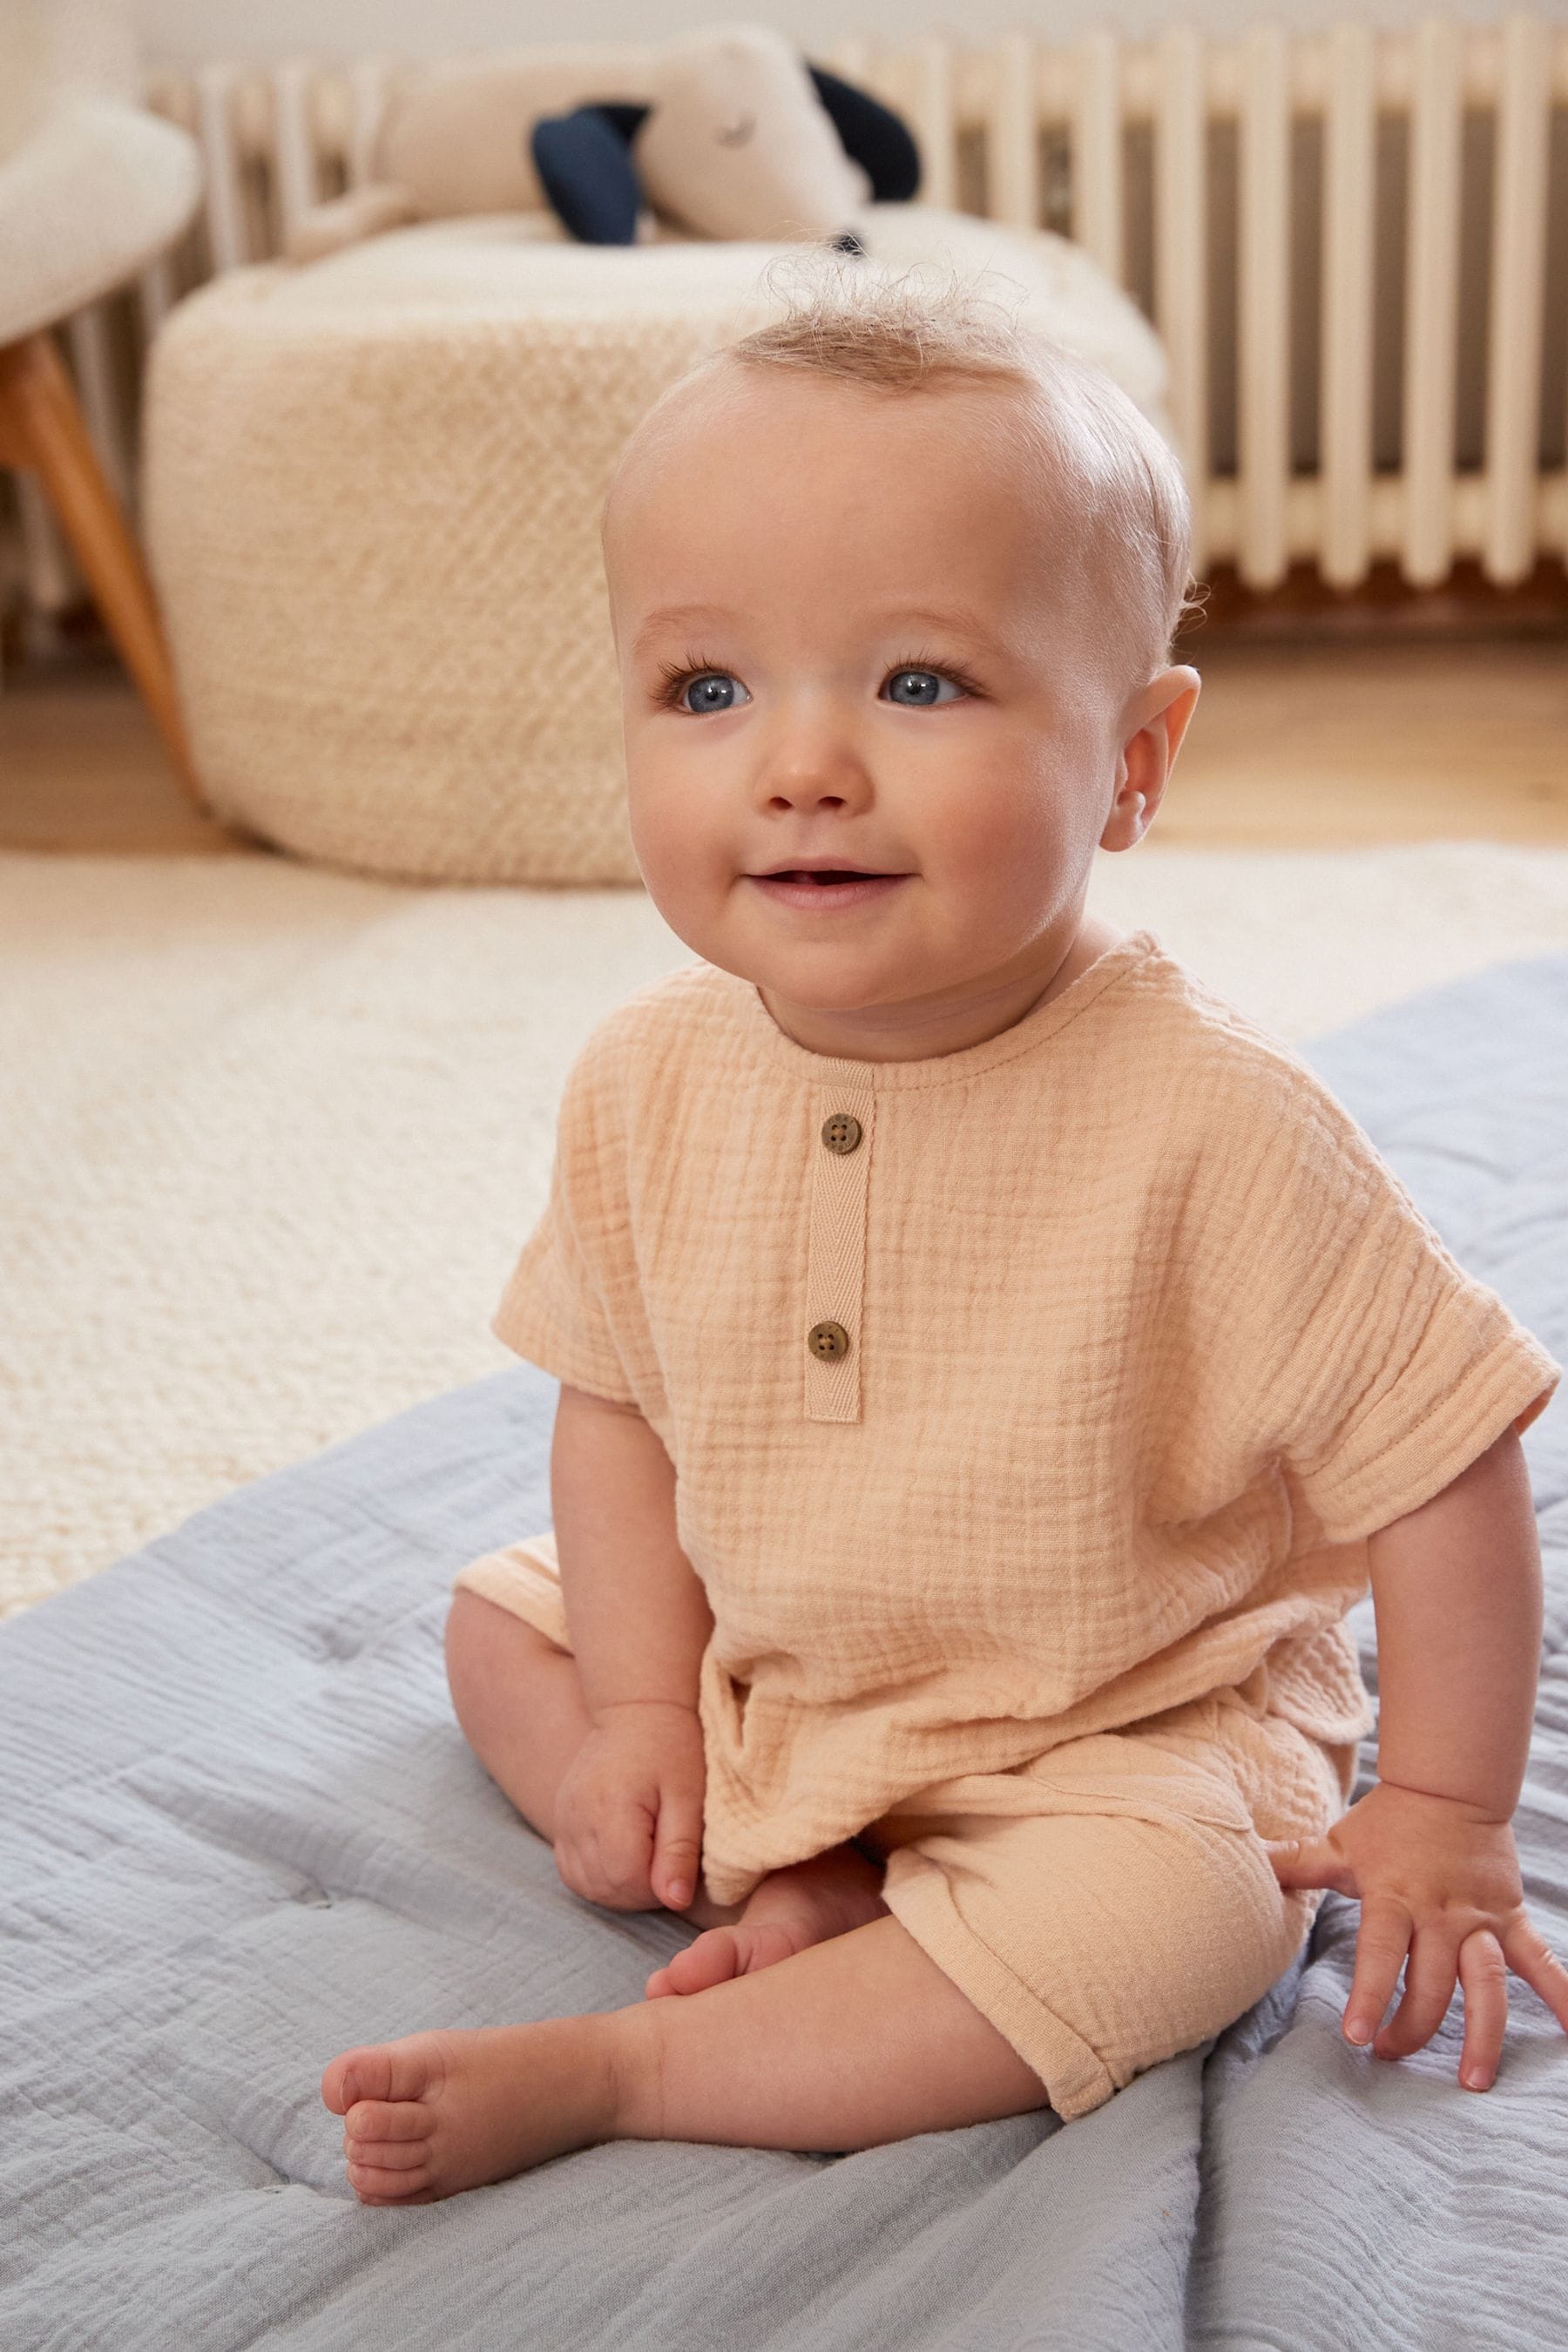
point(1031, 1407)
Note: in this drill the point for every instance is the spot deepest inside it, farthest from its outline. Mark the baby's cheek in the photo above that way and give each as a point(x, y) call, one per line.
point(1011, 806)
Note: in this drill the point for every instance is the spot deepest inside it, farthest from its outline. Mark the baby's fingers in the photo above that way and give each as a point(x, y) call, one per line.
point(1430, 1975)
point(1529, 1955)
point(1381, 1946)
point(622, 1849)
point(606, 1861)
point(1483, 1972)
point(678, 1847)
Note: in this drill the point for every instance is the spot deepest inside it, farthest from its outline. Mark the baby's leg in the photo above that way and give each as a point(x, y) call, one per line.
point(520, 1702)
point(849, 2044)
point(522, 1712)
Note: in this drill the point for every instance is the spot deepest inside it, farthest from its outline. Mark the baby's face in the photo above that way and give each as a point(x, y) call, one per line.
point(849, 636)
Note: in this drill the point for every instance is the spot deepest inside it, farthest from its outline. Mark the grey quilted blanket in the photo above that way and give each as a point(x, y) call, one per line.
point(239, 1829)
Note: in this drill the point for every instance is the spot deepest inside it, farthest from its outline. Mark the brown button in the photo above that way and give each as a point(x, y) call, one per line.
point(841, 1133)
point(827, 1340)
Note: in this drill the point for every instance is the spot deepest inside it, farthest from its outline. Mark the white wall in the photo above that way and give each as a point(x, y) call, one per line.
point(192, 29)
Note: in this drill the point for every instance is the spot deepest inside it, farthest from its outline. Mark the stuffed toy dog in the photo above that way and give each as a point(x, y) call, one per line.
point(728, 133)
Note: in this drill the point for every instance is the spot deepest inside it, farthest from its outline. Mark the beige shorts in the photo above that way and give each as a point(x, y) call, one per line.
point(1108, 1904)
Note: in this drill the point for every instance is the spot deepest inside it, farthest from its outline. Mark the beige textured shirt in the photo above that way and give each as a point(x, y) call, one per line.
point(1144, 1340)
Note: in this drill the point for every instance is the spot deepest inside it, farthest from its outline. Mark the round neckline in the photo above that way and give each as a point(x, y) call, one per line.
point(1035, 1026)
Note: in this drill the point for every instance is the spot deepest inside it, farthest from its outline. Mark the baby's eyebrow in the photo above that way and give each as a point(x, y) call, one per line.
point(675, 616)
point(968, 625)
point(949, 623)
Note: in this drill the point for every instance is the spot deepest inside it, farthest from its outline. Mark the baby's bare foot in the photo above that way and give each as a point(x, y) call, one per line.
point(788, 1910)
point(434, 2113)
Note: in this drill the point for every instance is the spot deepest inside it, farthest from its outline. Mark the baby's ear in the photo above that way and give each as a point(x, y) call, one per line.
point(1183, 703)
point(1167, 701)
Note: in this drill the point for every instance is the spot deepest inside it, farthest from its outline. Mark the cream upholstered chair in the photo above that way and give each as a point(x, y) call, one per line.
point(91, 188)
point(371, 499)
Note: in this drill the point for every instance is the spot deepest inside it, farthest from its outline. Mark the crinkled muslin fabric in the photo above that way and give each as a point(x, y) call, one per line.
point(1039, 1581)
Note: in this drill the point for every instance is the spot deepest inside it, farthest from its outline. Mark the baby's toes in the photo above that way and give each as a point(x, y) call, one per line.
point(375, 2184)
point(381, 2119)
point(711, 1960)
point(720, 1953)
point(387, 2155)
point(357, 2074)
point(388, 2150)
point(385, 2071)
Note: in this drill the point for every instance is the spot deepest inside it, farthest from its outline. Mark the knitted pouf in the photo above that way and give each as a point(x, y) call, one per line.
point(370, 500)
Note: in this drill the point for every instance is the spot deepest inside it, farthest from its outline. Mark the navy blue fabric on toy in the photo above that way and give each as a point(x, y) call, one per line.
point(584, 163)
point(873, 136)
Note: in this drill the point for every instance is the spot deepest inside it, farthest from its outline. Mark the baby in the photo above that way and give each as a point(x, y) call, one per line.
point(991, 1364)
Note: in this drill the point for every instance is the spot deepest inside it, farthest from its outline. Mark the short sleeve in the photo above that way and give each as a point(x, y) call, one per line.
point(558, 1308)
point(1362, 1354)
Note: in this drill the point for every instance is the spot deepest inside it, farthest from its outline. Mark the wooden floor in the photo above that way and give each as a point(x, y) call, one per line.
point(1308, 746)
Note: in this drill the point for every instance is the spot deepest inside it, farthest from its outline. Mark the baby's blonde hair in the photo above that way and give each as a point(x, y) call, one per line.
point(1110, 470)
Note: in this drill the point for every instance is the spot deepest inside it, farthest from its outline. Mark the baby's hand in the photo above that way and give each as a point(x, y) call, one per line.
point(1434, 1877)
point(629, 1814)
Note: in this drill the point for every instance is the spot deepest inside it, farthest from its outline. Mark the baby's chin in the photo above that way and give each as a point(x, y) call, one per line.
point(824, 973)
point(883, 1017)
point(830, 978)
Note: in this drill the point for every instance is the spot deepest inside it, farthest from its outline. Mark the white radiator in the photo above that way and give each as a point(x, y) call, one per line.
point(1354, 244)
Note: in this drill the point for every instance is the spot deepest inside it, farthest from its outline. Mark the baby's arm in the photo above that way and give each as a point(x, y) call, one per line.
point(629, 1810)
point(635, 1610)
point(1457, 1591)
point(1428, 1851)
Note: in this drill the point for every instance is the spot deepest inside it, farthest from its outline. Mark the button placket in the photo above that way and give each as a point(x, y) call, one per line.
point(842, 1112)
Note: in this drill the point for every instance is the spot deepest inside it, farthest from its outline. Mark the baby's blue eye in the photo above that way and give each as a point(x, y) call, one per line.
point(926, 680)
point(714, 689)
point(721, 689)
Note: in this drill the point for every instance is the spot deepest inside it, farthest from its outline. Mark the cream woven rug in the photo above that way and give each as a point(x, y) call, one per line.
point(274, 1136)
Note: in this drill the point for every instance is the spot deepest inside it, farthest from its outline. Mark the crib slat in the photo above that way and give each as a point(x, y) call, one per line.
point(1349, 226)
point(1514, 335)
point(155, 295)
point(370, 81)
point(1012, 135)
point(226, 241)
point(1432, 301)
point(936, 129)
point(1180, 256)
point(290, 125)
point(1263, 330)
point(293, 141)
point(1096, 162)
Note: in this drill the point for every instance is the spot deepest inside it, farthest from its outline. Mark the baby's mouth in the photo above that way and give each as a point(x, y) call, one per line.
point(823, 875)
point(823, 886)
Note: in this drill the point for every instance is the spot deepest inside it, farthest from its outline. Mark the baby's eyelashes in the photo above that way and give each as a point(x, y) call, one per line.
point(707, 690)
point(695, 691)
point(924, 680)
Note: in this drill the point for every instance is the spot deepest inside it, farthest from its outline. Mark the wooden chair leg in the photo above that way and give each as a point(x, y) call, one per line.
point(41, 427)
